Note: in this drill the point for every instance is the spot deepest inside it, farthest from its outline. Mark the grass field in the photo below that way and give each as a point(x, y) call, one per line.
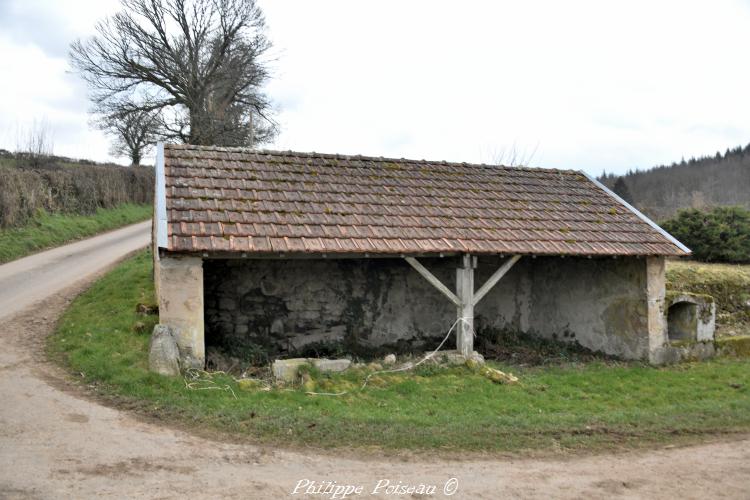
point(589, 405)
point(47, 231)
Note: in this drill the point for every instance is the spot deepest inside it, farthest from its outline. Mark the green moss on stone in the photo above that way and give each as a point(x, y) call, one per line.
point(734, 346)
point(683, 343)
point(728, 284)
point(671, 295)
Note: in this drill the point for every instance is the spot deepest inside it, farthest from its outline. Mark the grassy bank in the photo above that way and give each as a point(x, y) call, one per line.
point(729, 284)
point(569, 405)
point(46, 231)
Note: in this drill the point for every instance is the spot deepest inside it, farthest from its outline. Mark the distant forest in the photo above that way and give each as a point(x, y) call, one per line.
point(710, 181)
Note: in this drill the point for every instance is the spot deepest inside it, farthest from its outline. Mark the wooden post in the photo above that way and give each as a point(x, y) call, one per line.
point(464, 298)
point(465, 293)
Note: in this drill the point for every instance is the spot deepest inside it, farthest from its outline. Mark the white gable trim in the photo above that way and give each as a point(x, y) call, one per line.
point(638, 213)
point(160, 199)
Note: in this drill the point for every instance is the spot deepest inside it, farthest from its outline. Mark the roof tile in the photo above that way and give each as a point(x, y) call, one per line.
point(235, 200)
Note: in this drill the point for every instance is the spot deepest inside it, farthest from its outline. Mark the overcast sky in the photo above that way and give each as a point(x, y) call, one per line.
point(585, 85)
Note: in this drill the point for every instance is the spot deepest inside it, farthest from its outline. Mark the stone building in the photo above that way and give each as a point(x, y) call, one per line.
point(277, 252)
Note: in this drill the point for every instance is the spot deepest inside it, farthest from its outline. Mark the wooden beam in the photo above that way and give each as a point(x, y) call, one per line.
point(465, 310)
point(492, 281)
point(432, 279)
point(464, 298)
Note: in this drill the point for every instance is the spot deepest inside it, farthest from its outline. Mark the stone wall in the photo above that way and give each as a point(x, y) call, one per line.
point(600, 303)
point(359, 305)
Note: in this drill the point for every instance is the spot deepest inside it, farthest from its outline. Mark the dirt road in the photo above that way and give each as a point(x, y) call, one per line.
point(55, 443)
point(29, 280)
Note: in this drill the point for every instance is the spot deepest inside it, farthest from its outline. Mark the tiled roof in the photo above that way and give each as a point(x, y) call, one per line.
point(235, 200)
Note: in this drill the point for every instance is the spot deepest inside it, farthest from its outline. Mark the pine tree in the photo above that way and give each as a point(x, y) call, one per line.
point(720, 235)
point(621, 189)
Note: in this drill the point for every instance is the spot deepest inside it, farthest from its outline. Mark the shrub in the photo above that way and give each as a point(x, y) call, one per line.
point(66, 188)
point(719, 235)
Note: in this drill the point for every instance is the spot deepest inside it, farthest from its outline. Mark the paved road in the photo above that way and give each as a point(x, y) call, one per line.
point(55, 443)
point(28, 280)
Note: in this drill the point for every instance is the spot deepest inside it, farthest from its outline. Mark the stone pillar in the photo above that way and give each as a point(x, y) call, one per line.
point(657, 322)
point(465, 293)
point(181, 305)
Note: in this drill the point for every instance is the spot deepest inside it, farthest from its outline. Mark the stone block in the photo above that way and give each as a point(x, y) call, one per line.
point(163, 354)
point(734, 346)
point(288, 369)
point(456, 358)
point(227, 304)
point(331, 365)
point(676, 352)
point(277, 327)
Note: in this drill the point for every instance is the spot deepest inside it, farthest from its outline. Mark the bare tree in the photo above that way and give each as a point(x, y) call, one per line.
point(35, 144)
point(133, 131)
point(513, 157)
point(199, 64)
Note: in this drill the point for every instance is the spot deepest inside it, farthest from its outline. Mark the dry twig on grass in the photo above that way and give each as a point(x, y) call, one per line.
point(200, 380)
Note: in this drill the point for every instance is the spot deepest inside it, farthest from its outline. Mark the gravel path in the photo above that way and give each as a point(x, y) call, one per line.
point(55, 442)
